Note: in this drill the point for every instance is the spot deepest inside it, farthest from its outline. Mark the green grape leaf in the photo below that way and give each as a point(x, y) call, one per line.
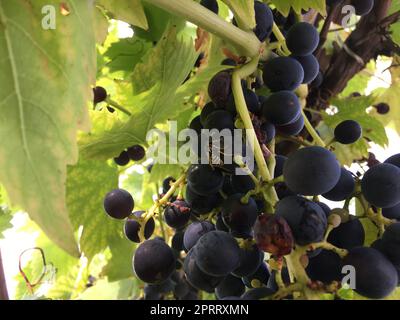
point(117, 290)
point(395, 27)
point(161, 171)
point(130, 11)
point(148, 192)
point(244, 13)
point(126, 53)
point(78, 278)
point(132, 182)
point(371, 231)
point(158, 21)
point(160, 67)
point(355, 109)
point(370, 228)
point(161, 75)
point(395, 32)
point(45, 85)
point(68, 286)
point(87, 184)
point(284, 6)
point(119, 266)
point(360, 81)
point(391, 96)
point(346, 293)
point(394, 7)
point(346, 153)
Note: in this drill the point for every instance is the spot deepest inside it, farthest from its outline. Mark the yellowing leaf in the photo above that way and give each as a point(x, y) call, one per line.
point(45, 84)
point(87, 184)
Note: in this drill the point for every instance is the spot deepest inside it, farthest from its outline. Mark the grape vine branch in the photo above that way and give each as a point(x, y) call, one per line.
point(246, 42)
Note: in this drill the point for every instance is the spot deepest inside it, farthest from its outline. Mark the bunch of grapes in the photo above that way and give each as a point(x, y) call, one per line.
point(245, 237)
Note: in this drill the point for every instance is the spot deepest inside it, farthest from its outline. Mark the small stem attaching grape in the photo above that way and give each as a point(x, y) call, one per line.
point(158, 203)
point(312, 132)
point(118, 106)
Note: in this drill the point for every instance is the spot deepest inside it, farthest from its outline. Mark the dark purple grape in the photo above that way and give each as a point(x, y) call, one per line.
point(343, 189)
point(311, 171)
point(229, 286)
point(136, 153)
point(382, 108)
point(318, 80)
point(381, 185)
point(251, 99)
point(210, 5)
point(118, 204)
point(281, 108)
point(99, 94)
point(195, 231)
point(376, 277)
point(217, 253)
point(202, 204)
point(391, 243)
point(196, 277)
point(310, 66)
point(294, 128)
point(302, 39)
point(122, 159)
point(394, 160)
point(132, 228)
point(206, 111)
point(348, 234)
point(250, 260)
point(220, 120)
point(196, 125)
point(167, 184)
point(362, 7)
point(264, 20)
point(268, 132)
point(239, 217)
point(177, 241)
point(204, 179)
point(153, 261)
point(325, 267)
point(262, 275)
point(392, 212)
point(306, 219)
point(348, 131)
point(283, 73)
point(177, 214)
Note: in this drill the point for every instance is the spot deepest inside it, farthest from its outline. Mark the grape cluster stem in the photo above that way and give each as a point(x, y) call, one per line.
point(158, 203)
